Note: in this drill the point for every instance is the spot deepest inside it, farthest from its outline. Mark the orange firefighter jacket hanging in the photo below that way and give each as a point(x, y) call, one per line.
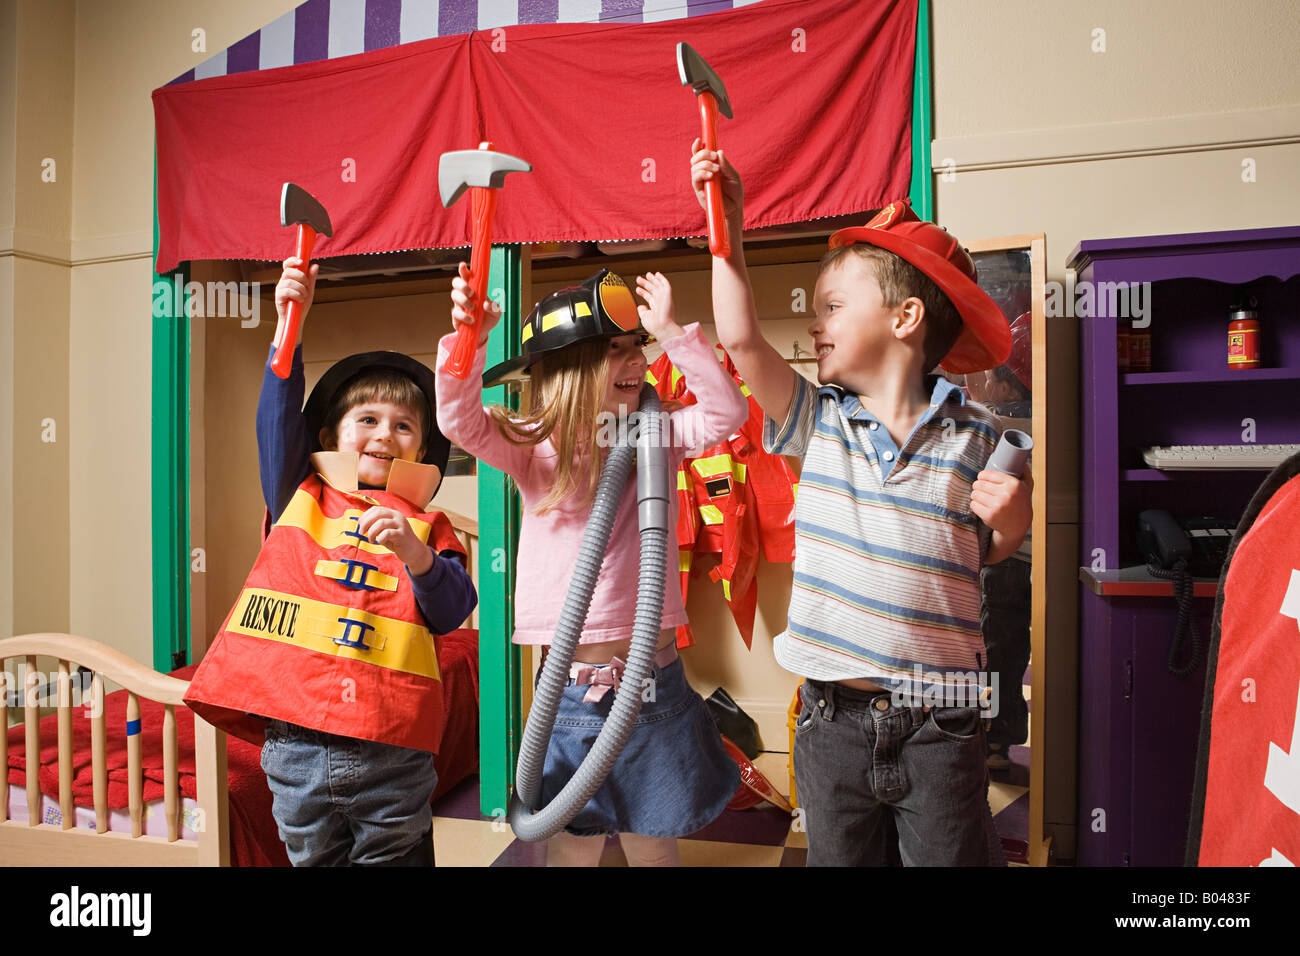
point(732, 499)
point(326, 632)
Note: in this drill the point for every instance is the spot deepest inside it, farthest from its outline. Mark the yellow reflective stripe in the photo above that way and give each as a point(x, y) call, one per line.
point(726, 589)
point(556, 317)
point(650, 377)
point(313, 625)
point(714, 465)
point(527, 333)
point(683, 483)
point(676, 377)
point(353, 575)
point(684, 560)
point(744, 390)
point(710, 514)
point(794, 490)
point(580, 309)
point(304, 512)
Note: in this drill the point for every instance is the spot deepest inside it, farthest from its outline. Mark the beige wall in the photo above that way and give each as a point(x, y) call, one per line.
point(123, 50)
point(37, 211)
point(1147, 138)
point(8, 148)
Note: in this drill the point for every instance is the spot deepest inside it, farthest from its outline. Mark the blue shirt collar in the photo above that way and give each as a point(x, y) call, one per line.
point(941, 392)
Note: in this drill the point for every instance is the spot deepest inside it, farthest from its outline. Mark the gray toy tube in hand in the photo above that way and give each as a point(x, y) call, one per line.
point(1012, 453)
point(654, 492)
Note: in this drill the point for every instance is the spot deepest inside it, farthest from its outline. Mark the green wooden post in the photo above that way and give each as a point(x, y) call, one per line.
point(170, 468)
point(922, 190)
point(498, 520)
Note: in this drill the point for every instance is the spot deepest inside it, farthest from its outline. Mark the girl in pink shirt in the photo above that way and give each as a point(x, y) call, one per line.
point(582, 350)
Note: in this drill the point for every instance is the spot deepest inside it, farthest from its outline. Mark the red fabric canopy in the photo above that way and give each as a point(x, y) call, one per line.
point(821, 91)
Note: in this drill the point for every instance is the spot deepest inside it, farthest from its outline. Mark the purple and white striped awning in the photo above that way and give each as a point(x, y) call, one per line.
point(325, 29)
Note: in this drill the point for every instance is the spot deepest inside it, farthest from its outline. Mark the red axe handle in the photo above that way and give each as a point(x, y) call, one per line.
point(484, 205)
point(719, 243)
point(287, 334)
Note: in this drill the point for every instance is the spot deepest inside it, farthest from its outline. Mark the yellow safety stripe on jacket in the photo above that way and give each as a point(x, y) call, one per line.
point(303, 512)
point(683, 483)
point(716, 575)
point(351, 574)
point(711, 514)
point(315, 625)
point(714, 465)
point(684, 560)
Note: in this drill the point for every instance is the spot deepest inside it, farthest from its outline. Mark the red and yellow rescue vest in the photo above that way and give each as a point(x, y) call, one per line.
point(326, 632)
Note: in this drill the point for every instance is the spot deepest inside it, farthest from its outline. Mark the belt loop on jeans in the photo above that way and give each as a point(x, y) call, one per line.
point(827, 700)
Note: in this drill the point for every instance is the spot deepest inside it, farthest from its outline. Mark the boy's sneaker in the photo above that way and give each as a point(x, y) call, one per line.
point(997, 757)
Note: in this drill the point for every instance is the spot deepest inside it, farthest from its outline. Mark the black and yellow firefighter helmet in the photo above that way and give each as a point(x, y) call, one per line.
point(601, 307)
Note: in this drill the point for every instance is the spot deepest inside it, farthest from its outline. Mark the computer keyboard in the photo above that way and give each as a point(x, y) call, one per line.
point(1217, 457)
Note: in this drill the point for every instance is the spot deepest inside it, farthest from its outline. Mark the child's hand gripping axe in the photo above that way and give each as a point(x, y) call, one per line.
point(297, 207)
point(483, 171)
point(711, 96)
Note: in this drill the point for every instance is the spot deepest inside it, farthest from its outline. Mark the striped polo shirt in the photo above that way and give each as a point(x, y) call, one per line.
point(887, 550)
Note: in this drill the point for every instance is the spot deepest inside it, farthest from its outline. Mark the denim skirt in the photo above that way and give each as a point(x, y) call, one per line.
point(673, 777)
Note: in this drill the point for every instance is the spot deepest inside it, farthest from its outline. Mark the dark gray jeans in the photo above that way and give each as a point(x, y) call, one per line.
point(869, 772)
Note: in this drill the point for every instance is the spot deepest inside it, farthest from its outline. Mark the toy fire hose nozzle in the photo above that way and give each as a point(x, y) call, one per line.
point(483, 172)
point(1012, 452)
point(711, 96)
point(297, 207)
point(655, 488)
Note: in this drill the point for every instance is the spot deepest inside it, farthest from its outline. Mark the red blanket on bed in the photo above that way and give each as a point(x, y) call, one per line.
point(253, 837)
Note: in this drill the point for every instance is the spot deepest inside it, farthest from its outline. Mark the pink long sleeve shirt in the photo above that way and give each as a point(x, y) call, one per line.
point(549, 543)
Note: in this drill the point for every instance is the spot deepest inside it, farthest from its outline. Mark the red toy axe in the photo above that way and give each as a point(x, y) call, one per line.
point(484, 172)
point(297, 207)
point(711, 96)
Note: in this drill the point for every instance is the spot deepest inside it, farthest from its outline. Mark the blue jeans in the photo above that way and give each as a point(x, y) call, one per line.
point(869, 771)
point(339, 801)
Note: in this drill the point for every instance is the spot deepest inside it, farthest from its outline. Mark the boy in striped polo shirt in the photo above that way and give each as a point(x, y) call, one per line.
point(895, 516)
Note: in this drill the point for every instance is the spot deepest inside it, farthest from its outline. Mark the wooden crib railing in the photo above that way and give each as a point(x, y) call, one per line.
point(35, 843)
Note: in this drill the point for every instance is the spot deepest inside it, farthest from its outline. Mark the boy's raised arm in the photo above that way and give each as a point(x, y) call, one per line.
point(769, 377)
point(283, 445)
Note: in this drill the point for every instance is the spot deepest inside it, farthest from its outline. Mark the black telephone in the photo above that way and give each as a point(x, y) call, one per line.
point(1179, 550)
point(1202, 542)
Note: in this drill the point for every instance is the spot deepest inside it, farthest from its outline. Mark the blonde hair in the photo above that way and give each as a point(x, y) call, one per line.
point(568, 393)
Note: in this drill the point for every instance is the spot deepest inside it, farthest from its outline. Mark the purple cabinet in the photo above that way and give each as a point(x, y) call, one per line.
point(1139, 724)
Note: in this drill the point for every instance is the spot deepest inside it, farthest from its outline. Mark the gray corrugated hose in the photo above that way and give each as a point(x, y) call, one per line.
point(653, 497)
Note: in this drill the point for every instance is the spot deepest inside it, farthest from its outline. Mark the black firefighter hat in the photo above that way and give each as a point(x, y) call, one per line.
point(600, 307)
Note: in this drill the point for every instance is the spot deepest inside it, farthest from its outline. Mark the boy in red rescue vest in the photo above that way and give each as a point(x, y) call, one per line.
point(328, 658)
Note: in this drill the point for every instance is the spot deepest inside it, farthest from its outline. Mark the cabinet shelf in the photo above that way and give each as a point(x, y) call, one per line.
point(1142, 719)
point(1137, 581)
point(1189, 474)
point(1197, 376)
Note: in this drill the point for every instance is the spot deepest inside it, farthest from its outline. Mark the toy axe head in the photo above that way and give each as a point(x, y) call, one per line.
point(299, 206)
point(483, 167)
point(699, 76)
